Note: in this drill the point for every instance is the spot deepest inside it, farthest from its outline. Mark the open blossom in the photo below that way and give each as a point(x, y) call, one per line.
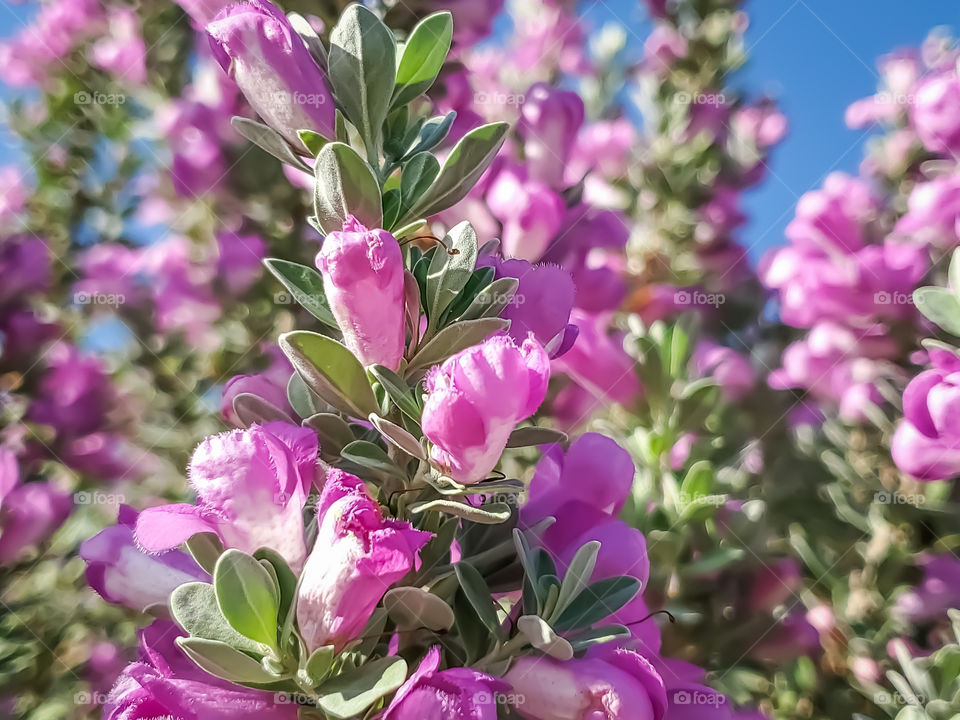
point(454, 694)
point(251, 487)
point(358, 554)
point(926, 444)
point(936, 113)
point(933, 210)
point(476, 398)
point(936, 593)
point(29, 514)
point(363, 280)
point(584, 490)
point(165, 683)
point(549, 122)
point(622, 685)
point(255, 42)
point(123, 574)
point(541, 305)
point(530, 211)
point(731, 370)
point(269, 385)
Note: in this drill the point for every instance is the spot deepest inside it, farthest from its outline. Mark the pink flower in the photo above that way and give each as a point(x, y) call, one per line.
point(165, 683)
point(476, 398)
point(549, 122)
point(731, 370)
point(454, 694)
point(620, 685)
point(926, 444)
point(240, 261)
point(123, 574)
point(29, 515)
point(269, 385)
point(251, 487)
point(358, 555)
point(121, 51)
point(933, 210)
point(255, 43)
point(363, 279)
point(662, 47)
point(530, 211)
point(936, 114)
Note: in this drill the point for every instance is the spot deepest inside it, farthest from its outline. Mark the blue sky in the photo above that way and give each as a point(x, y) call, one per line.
point(815, 56)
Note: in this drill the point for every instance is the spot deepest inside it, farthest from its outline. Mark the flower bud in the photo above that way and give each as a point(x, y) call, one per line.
point(124, 575)
point(363, 279)
point(357, 556)
point(475, 399)
point(255, 42)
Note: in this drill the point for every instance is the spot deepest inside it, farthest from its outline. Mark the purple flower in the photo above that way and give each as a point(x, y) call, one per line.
point(835, 217)
point(619, 685)
point(936, 593)
point(121, 51)
point(454, 694)
point(662, 47)
point(123, 574)
point(30, 513)
point(926, 443)
point(165, 683)
point(270, 386)
point(541, 305)
point(731, 370)
point(74, 393)
point(936, 114)
point(595, 470)
point(13, 192)
point(363, 279)
point(476, 398)
point(24, 266)
point(531, 213)
point(933, 210)
point(598, 362)
point(358, 555)
point(549, 122)
point(251, 487)
point(240, 261)
point(256, 44)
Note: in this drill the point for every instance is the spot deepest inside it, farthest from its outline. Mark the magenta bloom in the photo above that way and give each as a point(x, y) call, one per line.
point(74, 393)
point(24, 266)
point(251, 487)
point(585, 489)
point(936, 114)
point(255, 42)
point(454, 694)
point(240, 262)
point(599, 363)
point(530, 211)
point(662, 47)
point(165, 683)
point(731, 370)
point(619, 685)
point(549, 122)
point(268, 386)
point(938, 591)
point(30, 514)
point(358, 555)
point(476, 398)
point(926, 444)
point(124, 575)
point(933, 210)
point(541, 305)
point(363, 279)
